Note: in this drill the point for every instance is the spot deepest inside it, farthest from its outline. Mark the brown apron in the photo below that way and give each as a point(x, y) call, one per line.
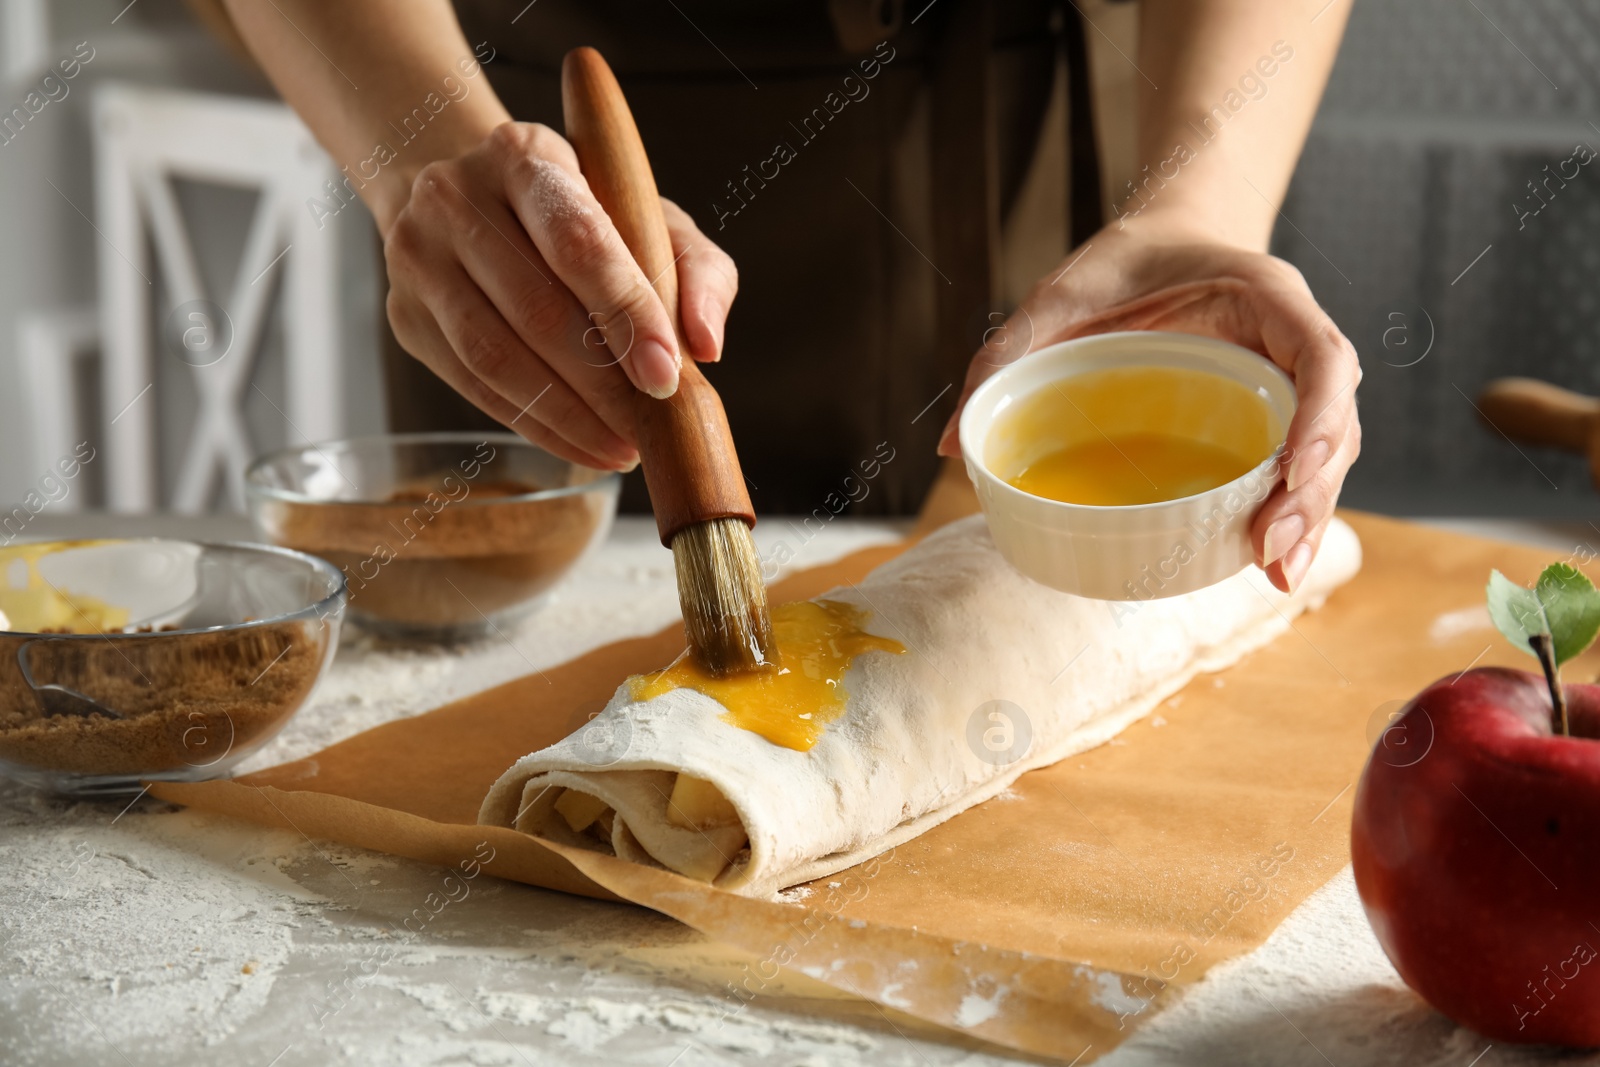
point(857, 158)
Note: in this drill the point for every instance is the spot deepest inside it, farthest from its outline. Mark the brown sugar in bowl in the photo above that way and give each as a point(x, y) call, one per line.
point(123, 662)
point(441, 536)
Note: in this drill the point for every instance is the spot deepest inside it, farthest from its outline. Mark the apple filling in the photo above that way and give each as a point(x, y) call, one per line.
point(694, 804)
point(580, 810)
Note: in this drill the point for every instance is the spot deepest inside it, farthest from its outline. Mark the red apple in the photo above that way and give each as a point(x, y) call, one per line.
point(1476, 843)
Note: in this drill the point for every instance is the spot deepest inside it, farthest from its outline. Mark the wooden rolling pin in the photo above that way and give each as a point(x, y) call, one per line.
point(1538, 413)
point(697, 490)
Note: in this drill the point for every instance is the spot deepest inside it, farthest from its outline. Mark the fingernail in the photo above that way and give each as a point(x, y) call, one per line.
point(623, 456)
point(1296, 563)
point(1281, 537)
point(629, 467)
point(1306, 464)
point(713, 318)
point(657, 368)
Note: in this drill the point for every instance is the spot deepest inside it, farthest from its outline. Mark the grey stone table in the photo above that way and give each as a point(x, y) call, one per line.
point(148, 935)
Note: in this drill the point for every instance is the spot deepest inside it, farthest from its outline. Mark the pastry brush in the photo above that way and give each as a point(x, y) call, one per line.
point(697, 490)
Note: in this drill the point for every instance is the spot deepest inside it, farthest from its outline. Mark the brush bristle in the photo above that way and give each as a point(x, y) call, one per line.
point(723, 596)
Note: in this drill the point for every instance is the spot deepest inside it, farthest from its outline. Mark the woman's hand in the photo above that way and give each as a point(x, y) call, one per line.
point(1154, 275)
point(510, 282)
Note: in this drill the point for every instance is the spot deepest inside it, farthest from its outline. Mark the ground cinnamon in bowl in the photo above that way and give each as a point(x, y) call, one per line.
point(445, 539)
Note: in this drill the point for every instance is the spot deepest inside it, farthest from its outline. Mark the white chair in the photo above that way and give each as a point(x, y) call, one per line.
point(52, 348)
point(24, 39)
point(143, 138)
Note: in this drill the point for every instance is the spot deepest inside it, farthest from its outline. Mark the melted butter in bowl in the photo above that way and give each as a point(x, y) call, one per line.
point(791, 705)
point(1130, 465)
point(1133, 435)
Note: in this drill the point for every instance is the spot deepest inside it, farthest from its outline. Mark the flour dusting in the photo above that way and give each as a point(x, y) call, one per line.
point(165, 945)
point(556, 193)
point(975, 1010)
point(1452, 624)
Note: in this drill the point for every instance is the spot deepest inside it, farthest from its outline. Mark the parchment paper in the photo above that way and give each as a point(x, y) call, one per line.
point(1053, 919)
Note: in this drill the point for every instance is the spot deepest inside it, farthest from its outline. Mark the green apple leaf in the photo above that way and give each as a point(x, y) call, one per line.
point(1515, 611)
point(1563, 604)
point(1572, 604)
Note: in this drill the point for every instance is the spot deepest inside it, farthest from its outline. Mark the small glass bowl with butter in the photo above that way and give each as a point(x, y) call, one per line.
point(1128, 466)
point(129, 661)
point(442, 536)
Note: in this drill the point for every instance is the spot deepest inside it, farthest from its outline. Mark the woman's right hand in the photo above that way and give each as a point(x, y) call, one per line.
point(509, 281)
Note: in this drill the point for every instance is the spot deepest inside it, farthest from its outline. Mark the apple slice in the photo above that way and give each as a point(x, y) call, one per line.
point(696, 804)
point(579, 809)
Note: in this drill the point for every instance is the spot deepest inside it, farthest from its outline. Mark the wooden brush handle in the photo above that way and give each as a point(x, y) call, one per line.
point(1538, 413)
point(687, 449)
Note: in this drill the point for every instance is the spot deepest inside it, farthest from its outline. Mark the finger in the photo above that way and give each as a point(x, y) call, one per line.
point(427, 344)
point(1301, 338)
point(707, 283)
point(1289, 513)
point(1002, 345)
point(496, 356)
point(501, 260)
point(577, 238)
point(1287, 574)
point(1289, 517)
point(1188, 303)
point(950, 438)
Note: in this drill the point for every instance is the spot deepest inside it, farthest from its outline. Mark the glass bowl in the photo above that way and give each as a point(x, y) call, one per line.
point(127, 661)
point(442, 536)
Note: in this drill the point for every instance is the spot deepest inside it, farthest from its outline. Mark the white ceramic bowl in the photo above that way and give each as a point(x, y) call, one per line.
point(1133, 552)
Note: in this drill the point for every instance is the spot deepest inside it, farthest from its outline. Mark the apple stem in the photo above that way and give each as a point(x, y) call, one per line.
point(1544, 648)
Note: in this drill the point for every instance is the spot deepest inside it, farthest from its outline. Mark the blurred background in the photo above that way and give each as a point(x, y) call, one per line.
point(1411, 215)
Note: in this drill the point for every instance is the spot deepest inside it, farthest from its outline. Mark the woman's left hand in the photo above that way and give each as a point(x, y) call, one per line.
point(1152, 275)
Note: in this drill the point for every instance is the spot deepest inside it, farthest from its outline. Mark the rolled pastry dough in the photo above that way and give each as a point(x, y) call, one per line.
point(908, 751)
